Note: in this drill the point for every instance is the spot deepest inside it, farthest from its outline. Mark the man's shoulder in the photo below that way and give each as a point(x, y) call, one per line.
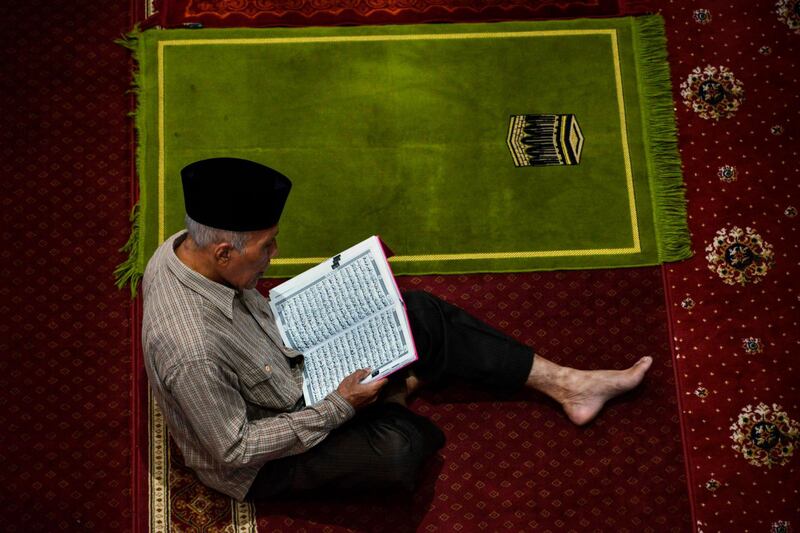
point(175, 319)
point(169, 306)
point(158, 263)
point(180, 325)
point(178, 338)
point(164, 294)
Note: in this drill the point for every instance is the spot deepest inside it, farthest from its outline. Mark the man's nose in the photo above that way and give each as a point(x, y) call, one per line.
point(273, 250)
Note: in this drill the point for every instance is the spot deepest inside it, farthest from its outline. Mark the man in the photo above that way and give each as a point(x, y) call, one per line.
point(231, 391)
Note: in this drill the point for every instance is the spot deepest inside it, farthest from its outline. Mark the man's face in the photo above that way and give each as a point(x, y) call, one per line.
point(244, 269)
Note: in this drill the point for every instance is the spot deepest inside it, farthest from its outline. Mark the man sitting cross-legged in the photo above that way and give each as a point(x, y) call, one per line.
point(231, 391)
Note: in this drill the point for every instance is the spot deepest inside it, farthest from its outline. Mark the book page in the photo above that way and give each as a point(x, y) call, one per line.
point(344, 314)
point(322, 302)
point(381, 342)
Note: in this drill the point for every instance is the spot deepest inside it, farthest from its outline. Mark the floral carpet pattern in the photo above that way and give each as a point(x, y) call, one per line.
point(734, 305)
point(712, 93)
point(66, 336)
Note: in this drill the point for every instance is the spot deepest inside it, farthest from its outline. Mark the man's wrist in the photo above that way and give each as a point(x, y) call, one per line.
point(345, 410)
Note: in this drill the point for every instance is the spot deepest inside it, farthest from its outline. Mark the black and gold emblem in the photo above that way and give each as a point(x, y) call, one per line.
point(545, 140)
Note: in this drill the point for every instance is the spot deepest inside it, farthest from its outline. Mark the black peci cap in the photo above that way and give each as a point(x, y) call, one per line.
point(234, 194)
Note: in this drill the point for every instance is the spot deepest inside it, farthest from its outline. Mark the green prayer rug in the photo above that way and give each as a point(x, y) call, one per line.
point(467, 147)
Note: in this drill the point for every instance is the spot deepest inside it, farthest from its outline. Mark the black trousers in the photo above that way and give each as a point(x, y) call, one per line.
point(385, 445)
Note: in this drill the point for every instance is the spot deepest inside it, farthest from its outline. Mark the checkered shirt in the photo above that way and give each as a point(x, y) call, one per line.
point(229, 389)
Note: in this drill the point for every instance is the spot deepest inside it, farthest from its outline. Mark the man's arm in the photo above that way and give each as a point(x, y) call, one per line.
point(210, 401)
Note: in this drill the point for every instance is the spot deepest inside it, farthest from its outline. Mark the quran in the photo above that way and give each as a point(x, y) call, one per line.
point(345, 314)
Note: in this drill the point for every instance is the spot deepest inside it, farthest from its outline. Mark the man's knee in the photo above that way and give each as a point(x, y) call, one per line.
point(425, 316)
point(419, 300)
point(402, 449)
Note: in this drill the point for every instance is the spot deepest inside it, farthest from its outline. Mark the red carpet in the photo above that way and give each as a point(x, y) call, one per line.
point(517, 463)
point(734, 340)
point(621, 472)
point(65, 339)
point(735, 328)
point(224, 13)
point(64, 334)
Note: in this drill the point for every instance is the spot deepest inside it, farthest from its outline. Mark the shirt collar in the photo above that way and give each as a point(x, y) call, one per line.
point(216, 293)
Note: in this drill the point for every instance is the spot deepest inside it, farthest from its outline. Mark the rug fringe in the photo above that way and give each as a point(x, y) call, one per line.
point(130, 40)
point(130, 271)
point(127, 272)
point(661, 140)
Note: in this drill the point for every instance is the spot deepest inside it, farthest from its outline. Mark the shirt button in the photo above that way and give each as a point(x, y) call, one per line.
point(268, 368)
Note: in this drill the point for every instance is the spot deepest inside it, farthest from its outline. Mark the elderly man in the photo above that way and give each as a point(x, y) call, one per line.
point(231, 391)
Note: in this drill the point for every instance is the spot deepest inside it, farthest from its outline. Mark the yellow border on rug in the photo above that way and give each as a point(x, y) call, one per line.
point(612, 33)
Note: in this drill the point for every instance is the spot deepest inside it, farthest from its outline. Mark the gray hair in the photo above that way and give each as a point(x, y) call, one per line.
point(205, 235)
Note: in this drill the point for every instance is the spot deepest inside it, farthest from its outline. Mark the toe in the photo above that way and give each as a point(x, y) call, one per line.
point(643, 364)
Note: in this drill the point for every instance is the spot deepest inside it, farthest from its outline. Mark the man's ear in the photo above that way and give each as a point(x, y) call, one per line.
point(222, 252)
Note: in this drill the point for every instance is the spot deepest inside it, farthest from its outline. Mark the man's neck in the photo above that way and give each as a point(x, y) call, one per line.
point(196, 259)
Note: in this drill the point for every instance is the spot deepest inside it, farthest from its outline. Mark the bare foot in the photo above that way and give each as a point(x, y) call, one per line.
point(589, 390)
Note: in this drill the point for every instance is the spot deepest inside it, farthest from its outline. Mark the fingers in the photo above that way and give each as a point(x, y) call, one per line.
point(359, 394)
point(374, 387)
point(360, 374)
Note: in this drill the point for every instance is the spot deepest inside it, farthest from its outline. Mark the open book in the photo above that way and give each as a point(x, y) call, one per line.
point(344, 314)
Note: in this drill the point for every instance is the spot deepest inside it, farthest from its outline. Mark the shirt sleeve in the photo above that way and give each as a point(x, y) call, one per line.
point(209, 397)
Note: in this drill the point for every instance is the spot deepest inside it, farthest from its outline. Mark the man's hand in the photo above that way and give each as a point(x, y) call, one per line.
point(359, 394)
